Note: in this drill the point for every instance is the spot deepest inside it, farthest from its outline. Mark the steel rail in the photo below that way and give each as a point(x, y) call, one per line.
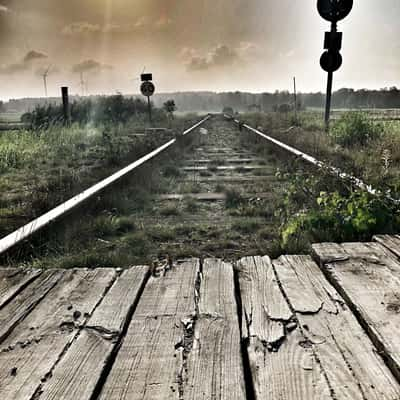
point(46, 219)
point(312, 160)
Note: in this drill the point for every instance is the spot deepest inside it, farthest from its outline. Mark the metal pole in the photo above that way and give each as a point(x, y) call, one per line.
point(328, 100)
point(329, 89)
point(149, 105)
point(295, 98)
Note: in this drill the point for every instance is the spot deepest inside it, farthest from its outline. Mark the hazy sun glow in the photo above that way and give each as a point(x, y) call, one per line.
point(190, 45)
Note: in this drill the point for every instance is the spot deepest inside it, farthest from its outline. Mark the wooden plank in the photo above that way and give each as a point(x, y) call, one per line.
point(367, 275)
point(213, 366)
point(340, 350)
point(15, 311)
point(390, 242)
point(149, 362)
point(80, 370)
point(13, 280)
point(281, 366)
point(264, 309)
point(29, 355)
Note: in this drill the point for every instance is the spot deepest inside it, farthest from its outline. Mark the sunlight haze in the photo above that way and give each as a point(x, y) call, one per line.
point(190, 45)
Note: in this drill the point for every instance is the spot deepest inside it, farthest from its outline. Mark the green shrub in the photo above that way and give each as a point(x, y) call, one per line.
point(355, 128)
point(342, 218)
point(115, 109)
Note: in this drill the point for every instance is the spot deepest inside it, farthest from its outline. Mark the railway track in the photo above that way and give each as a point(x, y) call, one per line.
point(216, 198)
point(291, 328)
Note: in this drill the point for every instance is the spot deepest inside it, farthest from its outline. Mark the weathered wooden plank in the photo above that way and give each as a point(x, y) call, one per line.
point(390, 242)
point(80, 370)
point(15, 311)
point(13, 280)
point(281, 366)
point(264, 309)
point(367, 275)
point(28, 356)
point(213, 366)
point(148, 364)
point(340, 350)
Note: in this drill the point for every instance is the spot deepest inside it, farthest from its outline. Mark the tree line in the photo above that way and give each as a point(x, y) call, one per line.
point(243, 101)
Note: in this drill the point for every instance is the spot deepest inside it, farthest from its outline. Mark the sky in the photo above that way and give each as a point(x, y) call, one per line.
point(216, 45)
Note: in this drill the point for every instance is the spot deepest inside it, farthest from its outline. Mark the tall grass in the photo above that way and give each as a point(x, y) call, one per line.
point(28, 149)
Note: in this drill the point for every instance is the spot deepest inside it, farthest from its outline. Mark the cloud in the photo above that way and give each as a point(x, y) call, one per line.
point(141, 24)
point(218, 57)
point(24, 65)
point(12, 69)
point(81, 28)
point(90, 66)
point(34, 55)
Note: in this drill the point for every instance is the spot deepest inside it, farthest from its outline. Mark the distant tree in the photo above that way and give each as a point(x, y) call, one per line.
point(284, 108)
point(228, 110)
point(2, 108)
point(170, 107)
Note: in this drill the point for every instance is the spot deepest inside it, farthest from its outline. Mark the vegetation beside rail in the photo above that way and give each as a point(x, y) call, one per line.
point(318, 207)
point(43, 166)
point(129, 225)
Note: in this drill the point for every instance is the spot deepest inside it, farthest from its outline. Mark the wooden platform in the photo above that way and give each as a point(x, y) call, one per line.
point(257, 329)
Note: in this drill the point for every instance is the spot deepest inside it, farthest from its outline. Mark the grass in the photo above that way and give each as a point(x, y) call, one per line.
point(246, 225)
point(172, 171)
point(379, 153)
point(220, 188)
point(191, 205)
point(190, 187)
point(161, 233)
point(40, 169)
point(170, 210)
point(233, 198)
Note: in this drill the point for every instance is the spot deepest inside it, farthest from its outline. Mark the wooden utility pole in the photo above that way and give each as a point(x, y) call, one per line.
point(66, 109)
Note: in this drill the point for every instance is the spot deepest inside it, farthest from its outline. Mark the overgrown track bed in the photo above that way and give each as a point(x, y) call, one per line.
point(212, 197)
